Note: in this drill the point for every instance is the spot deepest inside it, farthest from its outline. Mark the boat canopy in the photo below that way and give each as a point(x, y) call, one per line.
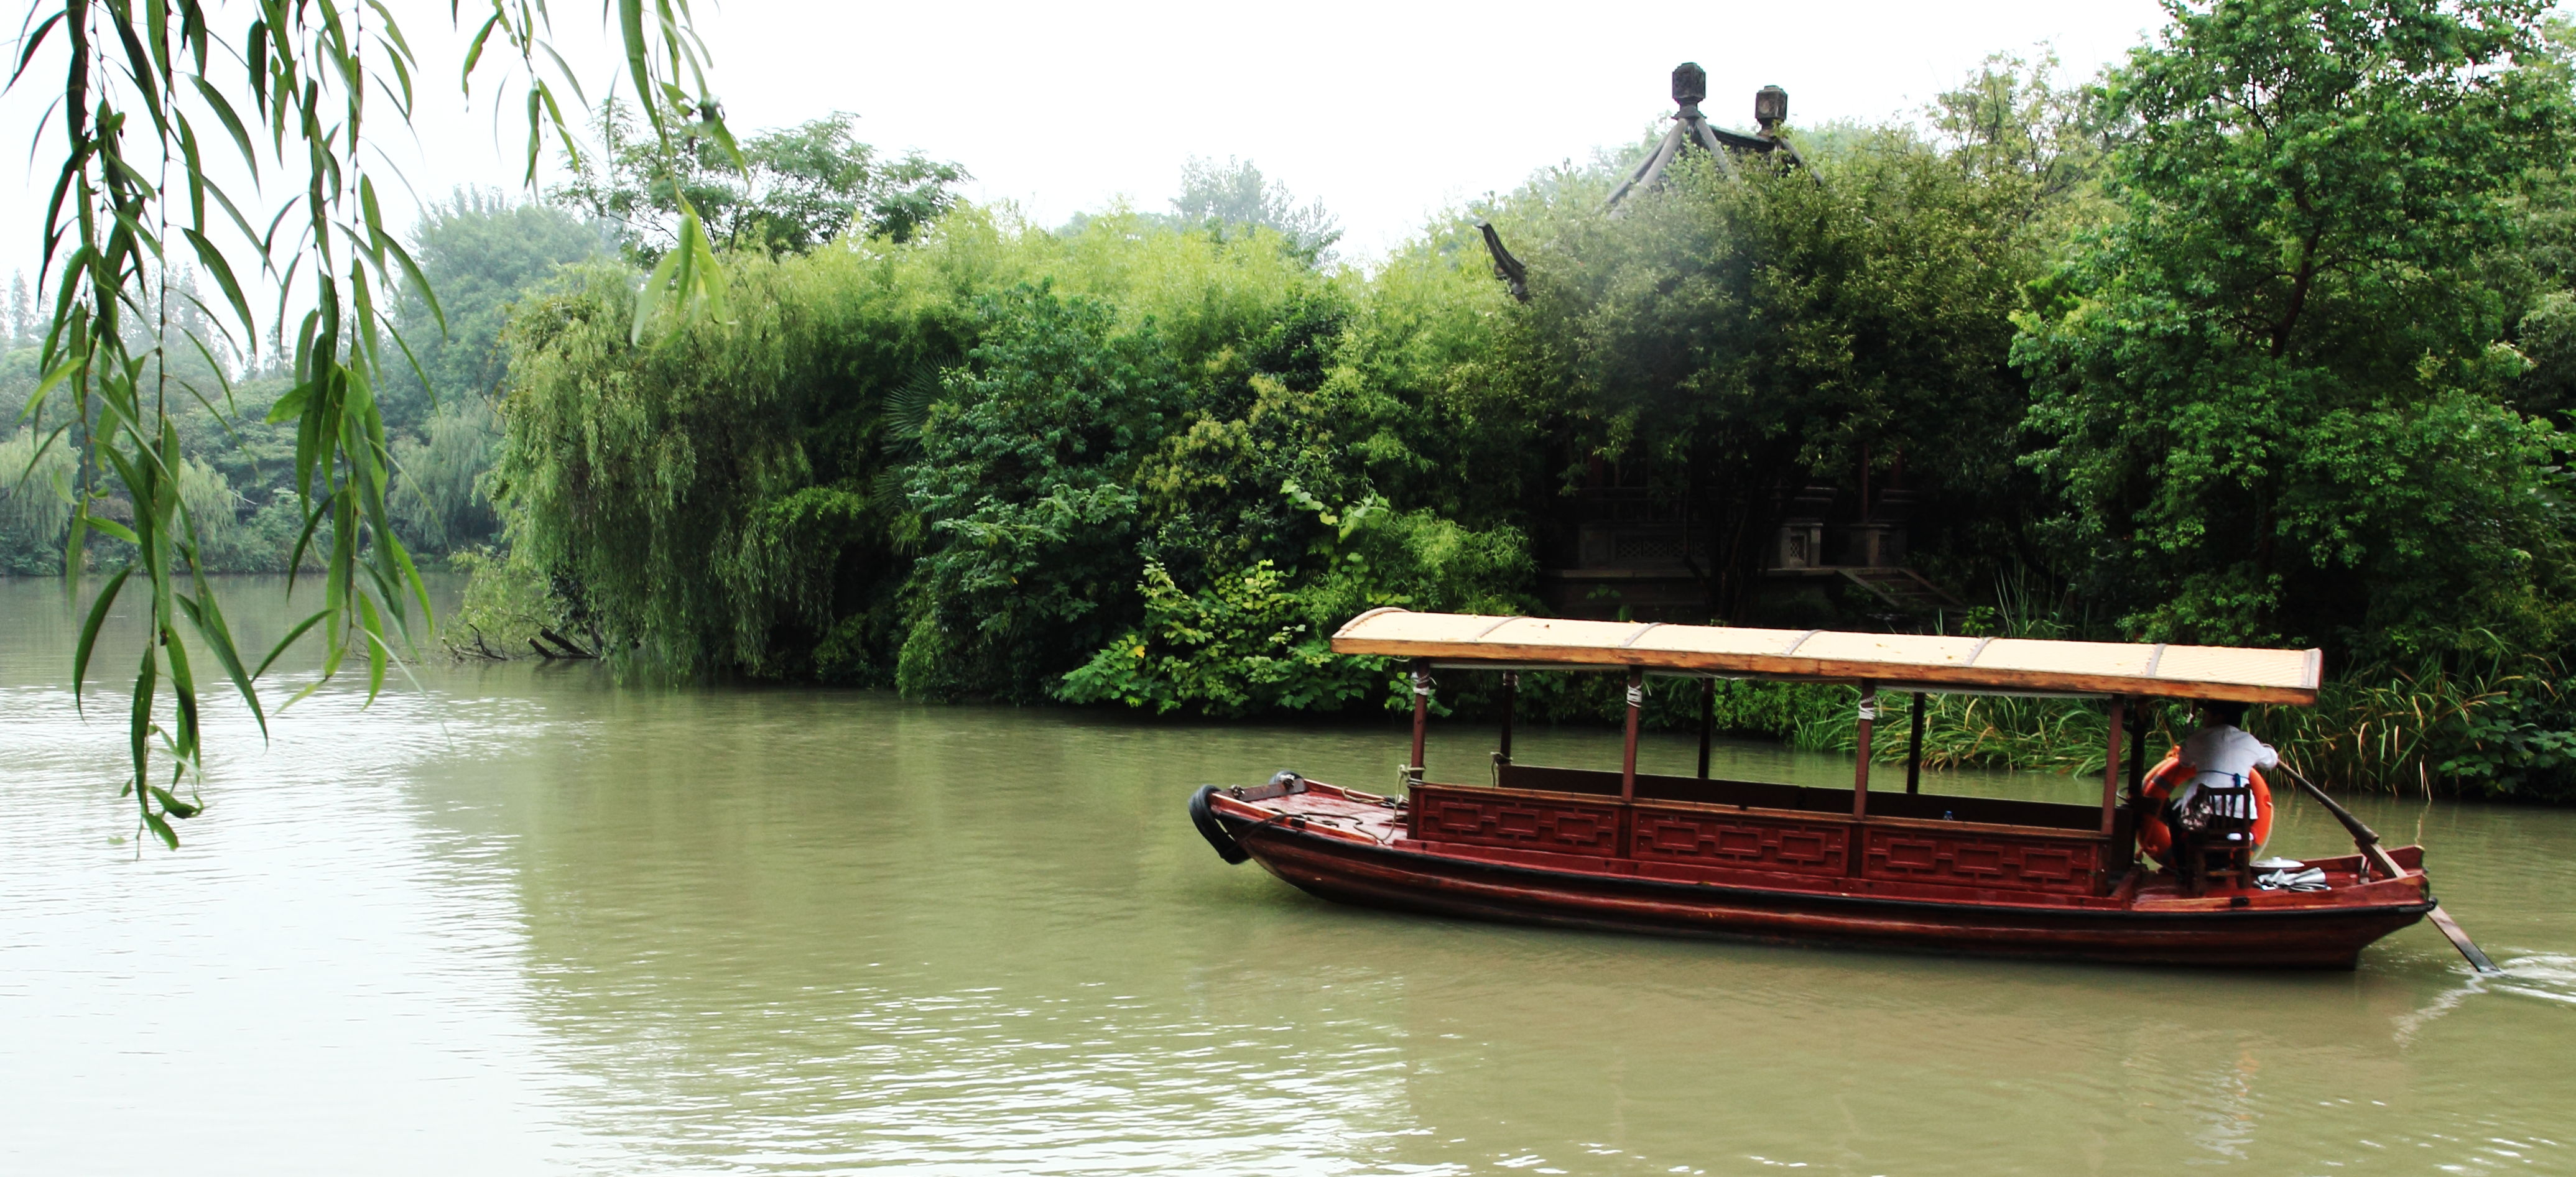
point(1896, 662)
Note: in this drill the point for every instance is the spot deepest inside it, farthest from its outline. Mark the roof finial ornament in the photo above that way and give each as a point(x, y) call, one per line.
point(1690, 86)
point(1691, 129)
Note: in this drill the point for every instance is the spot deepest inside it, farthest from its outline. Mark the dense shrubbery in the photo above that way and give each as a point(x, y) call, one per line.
point(965, 464)
point(1026, 484)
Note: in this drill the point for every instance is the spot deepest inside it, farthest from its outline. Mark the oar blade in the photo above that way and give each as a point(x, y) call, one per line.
point(2460, 940)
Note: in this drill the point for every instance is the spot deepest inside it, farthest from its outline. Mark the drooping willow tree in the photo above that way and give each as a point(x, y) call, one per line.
point(235, 138)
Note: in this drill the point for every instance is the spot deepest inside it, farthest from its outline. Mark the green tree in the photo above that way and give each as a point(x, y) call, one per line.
point(1025, 481)
point(35, 505)
point(481, 251)
point(1234, 196)
point(2271, 393)
point(2537, 272)
point(438, 499)
point(2546, 336)
point(787, 190)
point(2014, 123)
point(697, 502)
point(25, 329)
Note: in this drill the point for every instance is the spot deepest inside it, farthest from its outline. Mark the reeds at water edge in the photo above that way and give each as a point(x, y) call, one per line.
point(2384, 729)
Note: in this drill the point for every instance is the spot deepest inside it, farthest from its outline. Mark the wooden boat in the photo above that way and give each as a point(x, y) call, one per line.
point(1633, 852)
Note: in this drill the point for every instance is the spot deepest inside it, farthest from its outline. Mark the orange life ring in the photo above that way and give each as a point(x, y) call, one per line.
point(2160, 783)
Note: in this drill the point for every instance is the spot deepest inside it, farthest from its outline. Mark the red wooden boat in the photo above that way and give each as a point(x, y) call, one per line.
point(1632, 852)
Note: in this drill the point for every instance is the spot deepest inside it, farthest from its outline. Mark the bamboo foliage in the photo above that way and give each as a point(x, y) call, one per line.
point(244, 150)
point(2453, 729)
point(2385, 729)
point(1982, 731)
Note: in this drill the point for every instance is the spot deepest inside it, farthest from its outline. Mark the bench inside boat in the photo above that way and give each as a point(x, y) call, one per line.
point(1988, 843)
point(2001, 811)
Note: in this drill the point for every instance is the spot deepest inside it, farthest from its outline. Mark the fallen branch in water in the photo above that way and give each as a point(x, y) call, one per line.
point(479, 648)
point(570, 648)
point(556, 655)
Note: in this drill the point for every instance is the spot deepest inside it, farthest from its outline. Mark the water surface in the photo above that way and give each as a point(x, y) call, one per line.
point(516, 919)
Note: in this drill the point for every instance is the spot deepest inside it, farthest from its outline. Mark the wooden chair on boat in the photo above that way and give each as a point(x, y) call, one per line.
point(2222, 848)
point(2223, 851)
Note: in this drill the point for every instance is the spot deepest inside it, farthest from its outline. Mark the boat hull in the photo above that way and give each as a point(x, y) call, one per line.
point(1348, 871)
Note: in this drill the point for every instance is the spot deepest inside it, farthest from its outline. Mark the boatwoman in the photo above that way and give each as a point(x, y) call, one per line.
point(2219, 793)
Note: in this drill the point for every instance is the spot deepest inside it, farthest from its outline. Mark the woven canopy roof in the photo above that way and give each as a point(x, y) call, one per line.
point(1892, 661)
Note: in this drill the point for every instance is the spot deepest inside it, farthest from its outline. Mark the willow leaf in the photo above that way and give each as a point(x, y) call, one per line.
point(206, 615)
point(88, 643)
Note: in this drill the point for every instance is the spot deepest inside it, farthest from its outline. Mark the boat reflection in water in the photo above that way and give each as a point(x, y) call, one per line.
point(1626, 851)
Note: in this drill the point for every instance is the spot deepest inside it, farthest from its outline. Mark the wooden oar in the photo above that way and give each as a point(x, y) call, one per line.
point(2368, 840)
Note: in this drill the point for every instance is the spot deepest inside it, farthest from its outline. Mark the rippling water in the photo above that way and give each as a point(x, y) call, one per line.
point(516, 919)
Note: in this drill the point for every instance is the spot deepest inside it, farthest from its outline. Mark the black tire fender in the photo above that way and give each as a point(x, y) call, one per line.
point(1213, 830)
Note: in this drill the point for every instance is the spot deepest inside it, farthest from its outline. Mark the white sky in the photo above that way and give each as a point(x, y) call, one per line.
point(1385, 110)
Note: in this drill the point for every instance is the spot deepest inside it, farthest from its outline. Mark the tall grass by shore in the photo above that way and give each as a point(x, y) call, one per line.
point(2464, 727)
point(2443, 731)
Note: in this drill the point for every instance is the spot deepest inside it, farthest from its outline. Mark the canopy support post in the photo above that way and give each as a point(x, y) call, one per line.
point(1421, 717)
point(1914, 750)
point(1860, 771)
point(2111, 768)
point(1511, 691)
point(2138, 749)
point(1707, 721)
point(1628, 763)
point(2128, 853)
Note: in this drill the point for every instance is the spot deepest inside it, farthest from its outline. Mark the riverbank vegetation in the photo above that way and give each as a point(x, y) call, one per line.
point(2262, 337)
